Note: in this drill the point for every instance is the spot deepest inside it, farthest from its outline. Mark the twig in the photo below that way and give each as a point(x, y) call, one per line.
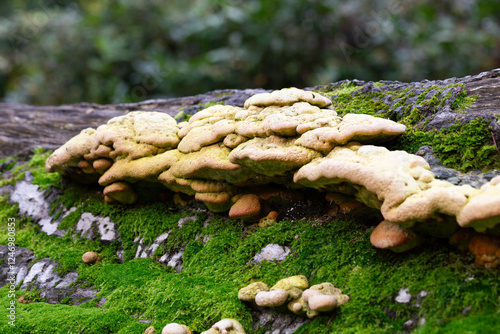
point(329, 320)
point(100, 306)
point(495, 142)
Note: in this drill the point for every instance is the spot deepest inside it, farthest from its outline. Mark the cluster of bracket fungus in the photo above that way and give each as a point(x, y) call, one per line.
point(236, 159)
point(295, 295)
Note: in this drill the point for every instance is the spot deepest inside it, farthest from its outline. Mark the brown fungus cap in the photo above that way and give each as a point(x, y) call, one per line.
point(486, 249)
point(90, 258)
point(121, 192)
point(247, 207)
point(392, 236)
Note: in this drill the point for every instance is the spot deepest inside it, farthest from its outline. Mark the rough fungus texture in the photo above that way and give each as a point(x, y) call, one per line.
point(287, 139)
point(294, 295)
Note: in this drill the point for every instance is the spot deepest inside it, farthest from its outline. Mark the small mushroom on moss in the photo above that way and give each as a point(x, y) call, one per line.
point(246, 207)
point(271, 298)
point(226, 326)
point(120, 192)
point(324, 297)
point(269, 220)
point(22, 300)
point(486, 249)
point(90, 258)
point(391, 236)
point(150, 330)
point(248, 293)
point(174, 328)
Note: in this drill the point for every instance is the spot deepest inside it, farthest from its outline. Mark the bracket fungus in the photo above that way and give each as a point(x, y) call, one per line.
point(291, 139)
point(295, 295)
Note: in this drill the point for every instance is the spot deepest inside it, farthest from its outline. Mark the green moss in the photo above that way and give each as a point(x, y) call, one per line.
point(180, 116)
point(37, 168)
point(462, 146)
point(206, 291)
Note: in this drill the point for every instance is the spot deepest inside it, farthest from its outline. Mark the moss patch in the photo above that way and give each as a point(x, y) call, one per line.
point(462, 146)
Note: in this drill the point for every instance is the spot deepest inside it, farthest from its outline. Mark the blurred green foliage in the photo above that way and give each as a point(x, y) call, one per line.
point(110, 51)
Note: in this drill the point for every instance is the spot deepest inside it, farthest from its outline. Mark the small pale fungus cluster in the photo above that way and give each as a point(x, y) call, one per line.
point(240, 159)
point(225, 326)
point(294, 294)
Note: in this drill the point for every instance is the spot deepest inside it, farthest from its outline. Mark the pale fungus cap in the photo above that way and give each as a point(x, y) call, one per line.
point(226, 326)
point(286, 97)
point(137, 134)
point(483, 210)
point(71, 153)
point(174, 328)
point(324, 297)
point(272, 156)
point(205, 135)
point(271, 298)
point(352, 127)
point(322, 303)
point(297, 281)
point(248, 293)
point(283, 120)
point(142, 169)
point(102, 164)
point(211, 162)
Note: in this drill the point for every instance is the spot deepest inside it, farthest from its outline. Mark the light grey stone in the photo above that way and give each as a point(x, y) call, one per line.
point(403, 296)
point(272, 252)
point(91, 227)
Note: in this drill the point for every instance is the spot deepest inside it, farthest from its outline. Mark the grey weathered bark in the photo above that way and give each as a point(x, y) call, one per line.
point(24, 127)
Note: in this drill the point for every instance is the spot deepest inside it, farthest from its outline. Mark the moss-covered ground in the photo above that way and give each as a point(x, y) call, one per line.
point(462, 298)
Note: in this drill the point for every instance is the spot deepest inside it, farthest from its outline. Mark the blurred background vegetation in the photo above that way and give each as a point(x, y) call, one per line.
point(111, 51)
